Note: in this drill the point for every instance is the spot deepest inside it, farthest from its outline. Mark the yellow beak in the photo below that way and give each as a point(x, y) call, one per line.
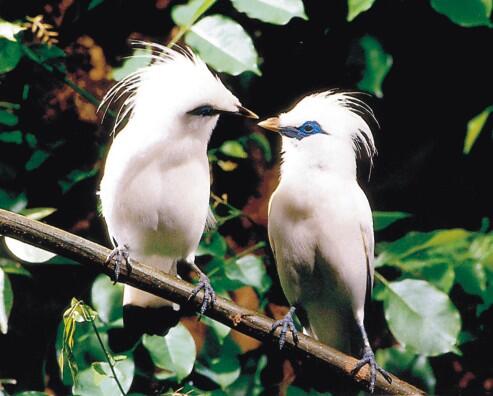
point(271, 124)
point(243, 111)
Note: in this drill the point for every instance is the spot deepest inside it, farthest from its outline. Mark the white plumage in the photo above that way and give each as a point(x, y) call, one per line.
point(320, 221)
point(155, 189)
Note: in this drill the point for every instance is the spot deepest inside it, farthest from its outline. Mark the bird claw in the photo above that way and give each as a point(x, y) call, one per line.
point(369, 358)
point(119, 255)
point(285, 324)
point(209, 298)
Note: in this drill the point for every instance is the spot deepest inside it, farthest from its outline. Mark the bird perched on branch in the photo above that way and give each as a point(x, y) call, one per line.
point(156, 186)
point(320, 221)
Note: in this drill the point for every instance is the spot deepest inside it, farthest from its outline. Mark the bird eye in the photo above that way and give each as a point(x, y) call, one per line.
point(203, 111)
point(308, 128)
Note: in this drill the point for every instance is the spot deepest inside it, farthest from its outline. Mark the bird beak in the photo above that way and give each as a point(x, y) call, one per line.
point(272, 124)
point(244, 112)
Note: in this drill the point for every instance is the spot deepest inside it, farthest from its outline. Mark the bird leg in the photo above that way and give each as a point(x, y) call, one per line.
point(285, 324)
point(204, 284)
point(369, 358)
point(119, 255)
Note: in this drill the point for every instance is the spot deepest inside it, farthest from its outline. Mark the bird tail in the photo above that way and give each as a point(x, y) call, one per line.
point(329, 325)
point(139, 298)
point(144, 312)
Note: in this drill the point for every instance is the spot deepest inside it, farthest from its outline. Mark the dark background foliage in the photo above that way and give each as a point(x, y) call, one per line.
point(439, 80)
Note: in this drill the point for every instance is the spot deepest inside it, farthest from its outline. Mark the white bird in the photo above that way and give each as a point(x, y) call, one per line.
point(320, 222)
point(156, 184)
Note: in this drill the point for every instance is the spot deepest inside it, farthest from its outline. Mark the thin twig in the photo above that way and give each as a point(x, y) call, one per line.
point(178, 291)
point(108, 357)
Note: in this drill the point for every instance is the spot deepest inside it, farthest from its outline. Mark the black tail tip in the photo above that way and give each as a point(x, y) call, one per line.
point(139, 320)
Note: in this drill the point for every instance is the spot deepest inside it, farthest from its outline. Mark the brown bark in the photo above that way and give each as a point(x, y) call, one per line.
point(143, 277)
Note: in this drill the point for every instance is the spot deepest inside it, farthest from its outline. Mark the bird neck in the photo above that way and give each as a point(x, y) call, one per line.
point(169, 134)
point(145, 145)
point(319, 154)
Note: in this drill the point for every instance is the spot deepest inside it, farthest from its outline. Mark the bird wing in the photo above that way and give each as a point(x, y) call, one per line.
point(368, 243)
point(210, 222)
point(269, 233)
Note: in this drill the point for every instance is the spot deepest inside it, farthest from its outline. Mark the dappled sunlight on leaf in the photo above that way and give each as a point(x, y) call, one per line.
point(26, 252)
point(224, 45)
point(421, 317)
point(277, 12)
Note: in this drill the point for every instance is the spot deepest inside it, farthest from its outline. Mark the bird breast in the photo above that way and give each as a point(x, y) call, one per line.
point(156, 204)
point(315, 229)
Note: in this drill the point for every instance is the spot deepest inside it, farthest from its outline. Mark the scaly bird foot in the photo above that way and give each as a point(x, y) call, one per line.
point(209, 298)
point(369, 358)
point(119, 255)
point(285, 324)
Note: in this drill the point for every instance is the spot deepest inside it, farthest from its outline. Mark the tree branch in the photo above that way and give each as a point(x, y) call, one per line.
point(178, 291)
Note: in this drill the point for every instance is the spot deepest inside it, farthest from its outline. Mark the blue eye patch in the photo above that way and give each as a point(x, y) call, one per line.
point(308, 128)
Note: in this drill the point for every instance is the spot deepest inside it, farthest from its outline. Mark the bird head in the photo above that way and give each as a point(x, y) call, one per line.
point(327, 123)
point(176, 95)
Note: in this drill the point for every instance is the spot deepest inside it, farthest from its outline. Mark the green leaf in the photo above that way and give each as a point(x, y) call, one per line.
point(10, 54)
point(377, 65)
point(75, 177)
point(474, 128)
point(408, 366)
point(261, 142)
point(7, 118)
point(465, 337)
point(13, 267)
point(249, 270)
point(233, 149)
point(31, 140)
point(220, 330)
point(224, 45)
point(187, 14)
point(487, 300)
point(8, 30)
point(223, 370)
point(37, 213)
point(174, 352)
point(78, 350)
point(31, 393)
point(11, 137)
point(140, 58)
point(468, 13)
point(37, 158)
point(249, 384)
point(472, 277)
point(6, 301)
point(295, 391)
point(100, 381)
point(212, 243)
point(441, 275)
point(421, 317)
point(47, 52)
point(26, 252)
point(278, 12)
point(12, 203)
point(356, 7)
point(221, 284)
point(94, 3)
point(417, 242)
point(99, 368)
point(107, 298)
point(76, 340)
point(382, 220)
point(80, 312)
